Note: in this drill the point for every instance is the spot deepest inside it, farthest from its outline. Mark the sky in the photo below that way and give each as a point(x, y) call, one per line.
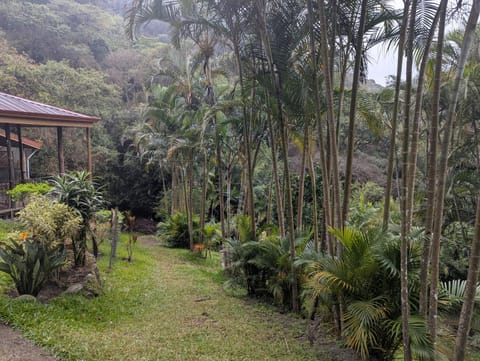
point(382, 64)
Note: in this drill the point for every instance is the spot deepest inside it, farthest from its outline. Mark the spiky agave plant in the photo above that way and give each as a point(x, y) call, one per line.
point(79, 192)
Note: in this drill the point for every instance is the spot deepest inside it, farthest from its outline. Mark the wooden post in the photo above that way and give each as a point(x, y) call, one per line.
point(61, 159)
point(21, 154)
point(11, 169)
point(89, 153)
point(115, 236)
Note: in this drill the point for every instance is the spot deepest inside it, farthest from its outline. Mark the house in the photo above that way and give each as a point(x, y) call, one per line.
point(15, 151)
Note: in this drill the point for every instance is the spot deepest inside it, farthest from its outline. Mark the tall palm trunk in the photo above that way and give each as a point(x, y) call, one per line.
point(336, 211)
point(301, 182)
point(396, 105)
point(406, 211)
point(442, 170)
point(247, 139)
point(341, 89)
point(229, 198)
point(318, 110)
point(174, 194)
point(313, 182)
point(276, 177)
point(276, 82)
point(353, 108)
point(432, 164)
point(221, 199)
point(470, 292)
point(413, 152)
point(189, 183)
point(203, 204)
point(332, 138)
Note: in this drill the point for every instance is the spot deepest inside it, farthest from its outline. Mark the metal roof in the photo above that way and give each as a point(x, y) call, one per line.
point(23, 111)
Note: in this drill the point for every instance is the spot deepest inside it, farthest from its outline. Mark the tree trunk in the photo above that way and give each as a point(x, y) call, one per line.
point(396, 105)
point(313, 183)
point(432, 166)
point(276, 177)
point(470, 292)
point(301, 182)
point(405, 210)
point(412, 157)
point(353, 108)
point(336, 212)
point(229, 199)
point(318, 110)
point(189, 182)
point(276, 82)
point(333, 149)
point(442, 170)
point(247, 138)
point(204, 194)
point(221, 200)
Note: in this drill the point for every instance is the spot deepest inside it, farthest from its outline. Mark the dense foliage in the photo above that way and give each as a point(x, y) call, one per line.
point(254, 122)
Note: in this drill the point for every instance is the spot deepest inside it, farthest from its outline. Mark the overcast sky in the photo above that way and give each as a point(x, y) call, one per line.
point(382, 64)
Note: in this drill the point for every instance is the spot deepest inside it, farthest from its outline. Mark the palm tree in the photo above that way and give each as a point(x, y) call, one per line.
point(371, 293)
point(276, 68)
point(336, 214)
point(432, 164)
point(442, 168)
point(470, 292)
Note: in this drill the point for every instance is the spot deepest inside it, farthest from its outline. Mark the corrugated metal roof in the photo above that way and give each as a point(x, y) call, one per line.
point(16, 107)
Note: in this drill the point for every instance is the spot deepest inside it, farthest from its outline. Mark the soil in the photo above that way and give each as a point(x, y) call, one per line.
point(149, 240)
point(14, 347)
point(145, 226)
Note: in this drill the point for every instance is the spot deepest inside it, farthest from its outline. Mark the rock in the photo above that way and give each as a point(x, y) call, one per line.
point(26, 298)
point(93, 284)
point(74, 289)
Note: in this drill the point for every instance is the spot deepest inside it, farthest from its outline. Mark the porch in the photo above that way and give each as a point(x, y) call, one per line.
point(15, 151)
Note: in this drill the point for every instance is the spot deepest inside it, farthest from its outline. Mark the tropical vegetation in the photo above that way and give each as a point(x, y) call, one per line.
point(252, 128)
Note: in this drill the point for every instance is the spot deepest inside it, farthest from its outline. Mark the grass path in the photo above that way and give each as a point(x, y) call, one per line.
point(166, 305)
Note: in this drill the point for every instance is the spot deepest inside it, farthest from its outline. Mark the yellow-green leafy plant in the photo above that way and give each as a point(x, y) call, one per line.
point(21, 192)
point(50, 221)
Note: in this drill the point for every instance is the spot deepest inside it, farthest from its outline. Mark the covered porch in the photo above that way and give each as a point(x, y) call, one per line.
point(15, 150)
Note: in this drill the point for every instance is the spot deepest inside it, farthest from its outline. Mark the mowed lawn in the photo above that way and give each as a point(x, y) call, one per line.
point(166, 305)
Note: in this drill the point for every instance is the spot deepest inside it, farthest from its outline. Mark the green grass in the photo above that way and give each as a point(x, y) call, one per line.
point(166, 305)
point(149, 311)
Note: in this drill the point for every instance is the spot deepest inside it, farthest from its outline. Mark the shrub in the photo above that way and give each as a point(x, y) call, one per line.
point(103, 216)
point(30, 263)
point(212, 237)
point(77, 191)
point(49, 221)
point(23, 191)
point(174, 231)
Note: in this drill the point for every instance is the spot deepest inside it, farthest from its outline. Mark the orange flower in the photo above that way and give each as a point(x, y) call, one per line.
point(23, 236)
point(198, 246)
